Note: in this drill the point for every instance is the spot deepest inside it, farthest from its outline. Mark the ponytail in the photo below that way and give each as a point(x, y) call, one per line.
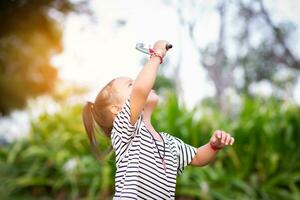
point(100, 113)
point(89, 125)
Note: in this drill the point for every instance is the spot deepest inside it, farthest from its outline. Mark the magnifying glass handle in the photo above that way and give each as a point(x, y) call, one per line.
point(168, 46)
point(146, 49)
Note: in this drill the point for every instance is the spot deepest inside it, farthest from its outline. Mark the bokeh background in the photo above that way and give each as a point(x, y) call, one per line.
point(235, 66)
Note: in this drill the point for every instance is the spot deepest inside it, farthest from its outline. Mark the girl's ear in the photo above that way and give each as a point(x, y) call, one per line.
point(115, 109)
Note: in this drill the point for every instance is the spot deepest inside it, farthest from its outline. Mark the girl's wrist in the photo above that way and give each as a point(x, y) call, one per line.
point(156, 54)
point(156, 58)
point(213, 147)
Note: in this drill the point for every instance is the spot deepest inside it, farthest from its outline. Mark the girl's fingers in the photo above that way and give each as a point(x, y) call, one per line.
point(228, 138)
point(231, 141)
point(214, 139)
point(219, 134)
point(224, 137)
point(220, 137)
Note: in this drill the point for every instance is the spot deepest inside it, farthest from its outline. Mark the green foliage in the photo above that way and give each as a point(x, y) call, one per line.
point(55, 161)
point(163, 83)
point(262, 164)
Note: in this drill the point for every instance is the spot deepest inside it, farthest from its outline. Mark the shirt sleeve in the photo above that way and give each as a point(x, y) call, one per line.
point(185, 154)
point(122, 126)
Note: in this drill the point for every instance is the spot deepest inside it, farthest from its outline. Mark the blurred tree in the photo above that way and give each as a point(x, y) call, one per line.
point(259, 60)
point(272, 55)
point(31, 34)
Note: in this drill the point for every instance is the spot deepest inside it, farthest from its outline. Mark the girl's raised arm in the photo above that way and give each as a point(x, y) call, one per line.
point(145, 81)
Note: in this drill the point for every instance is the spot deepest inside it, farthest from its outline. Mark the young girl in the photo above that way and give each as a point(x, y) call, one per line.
point(147, 161)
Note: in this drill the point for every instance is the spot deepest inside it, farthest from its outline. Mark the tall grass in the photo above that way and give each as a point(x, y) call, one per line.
point(55, 162)
point(264, 162)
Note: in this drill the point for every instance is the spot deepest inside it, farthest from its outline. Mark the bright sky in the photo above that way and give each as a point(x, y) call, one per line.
point(97, 51)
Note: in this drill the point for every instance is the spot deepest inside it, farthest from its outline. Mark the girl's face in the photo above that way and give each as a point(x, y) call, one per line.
point(123, 87)
point(152, 99)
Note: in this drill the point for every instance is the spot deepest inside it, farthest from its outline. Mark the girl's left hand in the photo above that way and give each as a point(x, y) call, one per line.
point(220, 139)
point(160, 47)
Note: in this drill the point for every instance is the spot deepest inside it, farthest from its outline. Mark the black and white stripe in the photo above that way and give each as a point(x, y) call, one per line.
point(140, 173)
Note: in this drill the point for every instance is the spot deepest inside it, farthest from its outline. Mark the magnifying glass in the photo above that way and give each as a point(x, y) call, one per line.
point(147, 48)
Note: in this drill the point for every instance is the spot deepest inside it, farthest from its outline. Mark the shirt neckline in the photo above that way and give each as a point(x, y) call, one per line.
point(159, 132)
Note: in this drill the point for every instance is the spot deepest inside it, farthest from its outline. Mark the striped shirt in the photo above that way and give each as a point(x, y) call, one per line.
point(140, 173)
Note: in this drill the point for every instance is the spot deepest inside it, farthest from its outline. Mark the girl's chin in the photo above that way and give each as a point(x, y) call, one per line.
point(153, 101)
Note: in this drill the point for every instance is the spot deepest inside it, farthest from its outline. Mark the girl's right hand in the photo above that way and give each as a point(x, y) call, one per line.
point(160, 47)
point(221, 139)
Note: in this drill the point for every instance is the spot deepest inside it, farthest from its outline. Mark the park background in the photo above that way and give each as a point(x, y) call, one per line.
point(234, 66)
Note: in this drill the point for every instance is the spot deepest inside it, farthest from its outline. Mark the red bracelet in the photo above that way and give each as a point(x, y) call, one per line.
point(213, 147)
point(153, 53)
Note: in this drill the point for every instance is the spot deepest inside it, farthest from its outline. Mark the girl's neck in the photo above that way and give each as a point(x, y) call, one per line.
point(147, 116)
point(147, 121)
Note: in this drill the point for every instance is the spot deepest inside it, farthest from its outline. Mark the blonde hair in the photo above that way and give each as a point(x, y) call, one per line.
point(100, 113)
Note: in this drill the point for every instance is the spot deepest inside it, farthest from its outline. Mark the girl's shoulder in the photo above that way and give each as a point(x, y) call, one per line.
point(172, 139)
point(167, 137)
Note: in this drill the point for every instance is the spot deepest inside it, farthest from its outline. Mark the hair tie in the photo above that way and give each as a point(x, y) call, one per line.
point(91, 104)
